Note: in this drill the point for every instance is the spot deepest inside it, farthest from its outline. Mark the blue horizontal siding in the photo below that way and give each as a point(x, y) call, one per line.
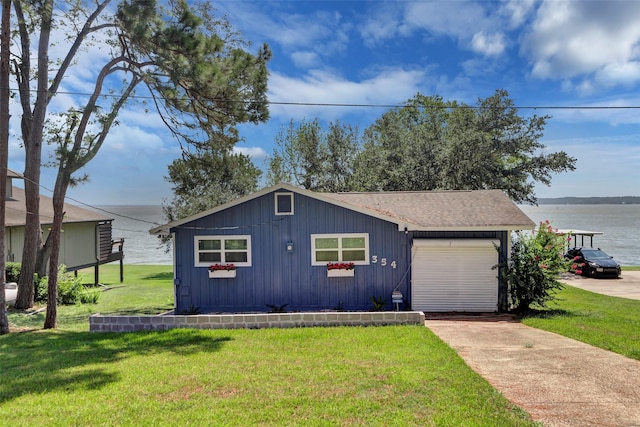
point(277, 277)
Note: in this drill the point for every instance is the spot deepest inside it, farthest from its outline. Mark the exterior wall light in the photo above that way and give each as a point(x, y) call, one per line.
point(289, 247)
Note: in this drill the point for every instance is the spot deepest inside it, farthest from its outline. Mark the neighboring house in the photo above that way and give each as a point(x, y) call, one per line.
point(86, 238)
point(436, 248)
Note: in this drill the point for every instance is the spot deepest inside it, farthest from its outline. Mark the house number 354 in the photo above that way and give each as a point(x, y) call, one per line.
point(383, 261)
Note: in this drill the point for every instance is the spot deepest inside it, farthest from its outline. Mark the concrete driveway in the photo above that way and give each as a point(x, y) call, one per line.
point(627, 286)
point(559, 381)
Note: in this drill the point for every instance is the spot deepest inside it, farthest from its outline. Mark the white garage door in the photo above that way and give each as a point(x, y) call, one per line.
point(454, 275)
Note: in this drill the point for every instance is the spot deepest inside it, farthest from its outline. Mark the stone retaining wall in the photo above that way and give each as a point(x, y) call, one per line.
point(99, 323)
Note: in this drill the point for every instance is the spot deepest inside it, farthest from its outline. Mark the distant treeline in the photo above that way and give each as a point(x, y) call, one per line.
point(623, 200)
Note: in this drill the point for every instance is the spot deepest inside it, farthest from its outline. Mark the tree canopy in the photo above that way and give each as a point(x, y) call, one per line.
point(313, 158)
point(202, 78)
point(207, 178)
point(431, 144)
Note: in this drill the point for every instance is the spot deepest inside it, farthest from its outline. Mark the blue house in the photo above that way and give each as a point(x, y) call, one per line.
point(286, 247)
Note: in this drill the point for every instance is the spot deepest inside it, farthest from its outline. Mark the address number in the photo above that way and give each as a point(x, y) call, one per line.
point(383, 261)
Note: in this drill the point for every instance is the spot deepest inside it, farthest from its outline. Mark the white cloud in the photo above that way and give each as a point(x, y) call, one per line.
point(133, 141)
point(389, 86)
point(381, 24)
point(488, 44)
point(305, 59)
point(576, 38)
point(453, 19)
point(255, 153)
point(517, 11)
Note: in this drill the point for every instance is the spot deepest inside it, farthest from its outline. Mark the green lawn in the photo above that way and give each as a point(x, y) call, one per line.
point(375, 376)
point(607, 322)
point(147, 289)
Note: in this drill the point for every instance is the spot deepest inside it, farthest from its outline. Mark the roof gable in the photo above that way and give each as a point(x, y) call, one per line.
point(423, 210)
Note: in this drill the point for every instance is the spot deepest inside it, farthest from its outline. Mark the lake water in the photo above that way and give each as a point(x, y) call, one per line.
point(620, 225)
point(133, 223)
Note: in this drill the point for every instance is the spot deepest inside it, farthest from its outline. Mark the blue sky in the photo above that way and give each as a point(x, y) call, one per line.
point(544, 53)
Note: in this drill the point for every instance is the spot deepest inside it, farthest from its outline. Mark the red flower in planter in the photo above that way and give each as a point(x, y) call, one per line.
point(225, 267)
point(340, 266)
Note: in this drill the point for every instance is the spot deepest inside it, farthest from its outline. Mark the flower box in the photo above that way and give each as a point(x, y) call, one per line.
point(222, 274)
point(340, 273)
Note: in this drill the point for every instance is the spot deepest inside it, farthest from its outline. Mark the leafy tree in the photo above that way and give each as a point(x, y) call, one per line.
point(531, 272)
point(208, 178)
point(313, 158)
point(399, 149)
point(430, 144)
point(202, 80)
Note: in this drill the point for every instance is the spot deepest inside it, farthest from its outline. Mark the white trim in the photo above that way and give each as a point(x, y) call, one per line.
point(336, 272)
point(222, 238)
point(222, 274)
point(401, 223)
point(454, 275)
point(340, 236)
point(275, 202)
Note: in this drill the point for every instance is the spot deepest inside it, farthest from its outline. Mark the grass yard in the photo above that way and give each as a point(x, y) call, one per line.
point(376, 376)
point(607, 322)
point(147, 289)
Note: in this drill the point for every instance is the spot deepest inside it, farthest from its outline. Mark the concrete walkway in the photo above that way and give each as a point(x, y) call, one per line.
point(559, 381)
point(627, 286)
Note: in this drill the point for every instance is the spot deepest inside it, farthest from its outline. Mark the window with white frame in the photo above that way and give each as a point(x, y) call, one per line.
point(327, 248)
point(284, 203)
point(223, 250)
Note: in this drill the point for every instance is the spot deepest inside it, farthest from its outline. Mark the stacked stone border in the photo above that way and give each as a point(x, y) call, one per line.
point(100, 323)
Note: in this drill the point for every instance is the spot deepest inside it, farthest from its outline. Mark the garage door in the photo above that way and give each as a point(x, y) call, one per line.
point(454, 275)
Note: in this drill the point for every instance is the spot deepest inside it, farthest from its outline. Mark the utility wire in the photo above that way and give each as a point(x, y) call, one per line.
point(370, 105)
point(86, 204)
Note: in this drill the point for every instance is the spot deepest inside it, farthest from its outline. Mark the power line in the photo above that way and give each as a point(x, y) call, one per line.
point(371, 105)
point(88, 205)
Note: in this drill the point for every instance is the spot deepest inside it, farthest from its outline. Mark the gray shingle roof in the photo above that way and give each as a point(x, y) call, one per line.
point(420, 210)
point(443, 209)
point(15, 211)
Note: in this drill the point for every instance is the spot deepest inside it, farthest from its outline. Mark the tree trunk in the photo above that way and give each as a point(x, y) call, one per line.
point(4, 152)
point(32, 129)
point(42, 258)
point(32, 242)
point(59, 193)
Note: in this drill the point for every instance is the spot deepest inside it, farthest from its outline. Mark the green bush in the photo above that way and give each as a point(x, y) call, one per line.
point(531, 273)
point(41, 289)
point(70, 289)
point(12, 271)
point(90, 295)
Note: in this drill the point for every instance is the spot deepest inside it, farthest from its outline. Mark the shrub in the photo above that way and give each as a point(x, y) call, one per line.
point(90, 295)
point(70, 289)
point(12, 271)
point(531, 274)
point(41, 289)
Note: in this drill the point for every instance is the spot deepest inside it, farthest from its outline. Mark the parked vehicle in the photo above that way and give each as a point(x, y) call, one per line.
point(593, 262)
